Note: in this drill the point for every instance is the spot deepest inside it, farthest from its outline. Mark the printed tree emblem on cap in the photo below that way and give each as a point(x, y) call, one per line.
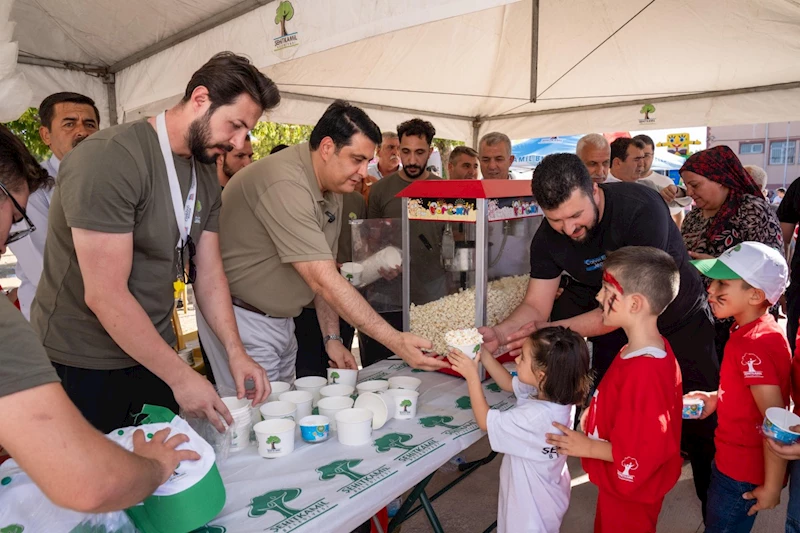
point(493, 387)
point(13, 528)
point(441, 421)
point(342, 467)
point(464, 403)
point(646, 110)
point(274, 501)
point(335, 375)
point(405, 404)
point(272, 441)
point(284, 12)
point(393, 440)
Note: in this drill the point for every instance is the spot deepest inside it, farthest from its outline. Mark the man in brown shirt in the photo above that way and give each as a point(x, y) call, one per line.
point(124, 198)
point(280, 225)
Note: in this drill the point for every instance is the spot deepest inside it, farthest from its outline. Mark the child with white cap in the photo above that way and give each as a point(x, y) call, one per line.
point(755, 375)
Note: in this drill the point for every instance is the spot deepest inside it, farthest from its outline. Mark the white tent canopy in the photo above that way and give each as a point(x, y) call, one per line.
point(529, 68)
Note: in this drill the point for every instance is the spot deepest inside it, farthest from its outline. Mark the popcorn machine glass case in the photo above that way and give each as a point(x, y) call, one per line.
point(466, 253)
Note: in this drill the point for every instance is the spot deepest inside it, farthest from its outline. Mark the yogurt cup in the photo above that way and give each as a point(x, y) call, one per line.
point(777, 422)
point(342, 376)
point(693, 408)
point(302, 399)
point(382, 406)
point(352, 272)
point(330, 391)
point(354, 427)
point(374, 385)
point(275, 438)
point(278, 410)
point(405, 403)
point(278, 388)
point(311, 384)
point(404, 382)
point(315, 428)
point(330, 405)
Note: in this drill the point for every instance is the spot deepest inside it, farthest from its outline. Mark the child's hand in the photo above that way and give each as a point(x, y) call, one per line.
point(709, 401)
point(790, 452)
point(461, 363)
point(765, 499)
point(572, 443)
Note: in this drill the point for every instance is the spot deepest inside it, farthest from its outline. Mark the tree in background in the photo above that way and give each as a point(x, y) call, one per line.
point(26, 128)
point(266, 135)
point(445, 146)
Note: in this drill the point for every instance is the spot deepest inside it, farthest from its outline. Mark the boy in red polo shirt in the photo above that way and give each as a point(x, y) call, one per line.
point(631, 445)
point(755, 375)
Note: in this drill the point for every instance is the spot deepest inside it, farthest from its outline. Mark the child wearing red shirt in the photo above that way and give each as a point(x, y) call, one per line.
point(632, 429)
point(746, 477)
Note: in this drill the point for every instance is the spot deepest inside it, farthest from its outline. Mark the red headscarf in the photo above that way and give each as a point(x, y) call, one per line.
point(720, 164)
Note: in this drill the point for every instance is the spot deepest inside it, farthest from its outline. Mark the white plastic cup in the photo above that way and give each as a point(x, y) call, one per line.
point(373, 385)
point(405, 403)
point(352, 272)
point(302, 399)
point(330, 405)
point(342, 376)
point(278, 388)
point(275, 438)
point(279, 409)
point(354, 427)
point(381, 405)
point(387, 259)
point(330, 391)
point(311, 384)
point(404, 382)
point(235, 405)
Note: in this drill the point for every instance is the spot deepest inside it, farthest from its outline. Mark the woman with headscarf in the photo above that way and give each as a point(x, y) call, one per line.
point(729, 208)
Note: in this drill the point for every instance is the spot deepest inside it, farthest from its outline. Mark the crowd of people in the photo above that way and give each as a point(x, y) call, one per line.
point(674, 305)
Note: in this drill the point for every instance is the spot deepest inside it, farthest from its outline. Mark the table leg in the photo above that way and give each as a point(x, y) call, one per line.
point(402, 513)
point(377, 524)
point(432, 518)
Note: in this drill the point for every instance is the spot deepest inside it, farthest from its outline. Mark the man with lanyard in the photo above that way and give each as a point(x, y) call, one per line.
point(583, 222)
point(104, 304)
point(66, 120)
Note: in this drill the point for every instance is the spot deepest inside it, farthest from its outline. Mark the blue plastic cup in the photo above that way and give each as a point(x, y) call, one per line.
point(777, 422)
point(315, 428)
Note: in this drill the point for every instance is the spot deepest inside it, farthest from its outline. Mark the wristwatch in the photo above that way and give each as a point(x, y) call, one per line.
point(327, 338)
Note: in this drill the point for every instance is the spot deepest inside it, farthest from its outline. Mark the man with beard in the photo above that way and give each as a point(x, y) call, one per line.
point(463, 164)
point(134, 215)
point(66, 119)
point(232, 162)
point(583, 222)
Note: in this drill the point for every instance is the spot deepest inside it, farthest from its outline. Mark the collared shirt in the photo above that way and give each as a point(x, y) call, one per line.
point(30, 250)
point(274, 214)
point(611, 178)
point(373, 170)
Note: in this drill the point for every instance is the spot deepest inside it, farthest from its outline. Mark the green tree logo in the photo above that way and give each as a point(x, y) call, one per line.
point(340, 468)
point(274, 501)
point(210, 529)
point(405, 404)
point(335, 375)
point(393, 440)
point(464, 403)
point(493, 387)
point(647, 109)
point(284, 12)
point(272, 441)
point(434, 421)
point(13, 528)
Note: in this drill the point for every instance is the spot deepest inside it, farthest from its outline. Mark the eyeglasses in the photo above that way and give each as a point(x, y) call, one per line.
point(187, 270)
point(17, 235)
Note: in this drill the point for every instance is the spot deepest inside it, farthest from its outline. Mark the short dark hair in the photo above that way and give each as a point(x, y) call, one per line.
point(48, 105)
point(227, 76)
point(780, 189)
point(619, 148)
point(461, 150)
point(556, 177)
point(418, 128)
point(564, 357)
point(647, 271)
point(646, 139)
point(18, 166)
point(340, 122)
point(277, 148)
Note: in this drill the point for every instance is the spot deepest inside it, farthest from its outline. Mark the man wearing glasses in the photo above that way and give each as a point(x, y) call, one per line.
point(135, 209)
point(66, 120)
point(627, 160)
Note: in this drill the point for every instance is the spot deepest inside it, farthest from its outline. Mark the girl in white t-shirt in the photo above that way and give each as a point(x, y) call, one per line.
point(552, 376)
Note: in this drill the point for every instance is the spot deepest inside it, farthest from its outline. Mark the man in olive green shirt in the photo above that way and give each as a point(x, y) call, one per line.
point(280, 222)
point(105, 299)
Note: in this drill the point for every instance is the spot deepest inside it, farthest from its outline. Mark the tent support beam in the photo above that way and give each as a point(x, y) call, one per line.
point(63, 65)
point(534, 49)
point(110, 82)
point(242, 8)
point(663, 99)
point(476, 130)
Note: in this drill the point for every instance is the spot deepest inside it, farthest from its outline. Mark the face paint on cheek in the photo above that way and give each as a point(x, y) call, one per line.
point(611, 280)
point(611, 303)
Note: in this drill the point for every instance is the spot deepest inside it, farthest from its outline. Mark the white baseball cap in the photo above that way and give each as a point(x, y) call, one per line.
point(759, 265)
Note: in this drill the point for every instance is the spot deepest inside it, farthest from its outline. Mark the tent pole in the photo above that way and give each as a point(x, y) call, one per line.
point(110, 82)
point(534, 48)
point(63, 65)
point(476, 129)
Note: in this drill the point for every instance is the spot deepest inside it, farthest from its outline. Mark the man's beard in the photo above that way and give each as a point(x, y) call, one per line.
point(226, 169)
point(199, 140)
point(411, 168)
point(590, 231)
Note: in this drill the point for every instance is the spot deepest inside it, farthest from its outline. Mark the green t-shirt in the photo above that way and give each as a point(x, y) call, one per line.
point(116, 182)
point(23, 362)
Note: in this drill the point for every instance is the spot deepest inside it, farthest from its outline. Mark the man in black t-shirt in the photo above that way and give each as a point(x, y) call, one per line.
point(584, 222)
point(789, 216)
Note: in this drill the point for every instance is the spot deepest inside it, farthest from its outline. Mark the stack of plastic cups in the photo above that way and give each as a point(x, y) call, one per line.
point(242, 422)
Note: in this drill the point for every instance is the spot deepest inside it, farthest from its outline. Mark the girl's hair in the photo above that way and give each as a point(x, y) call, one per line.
point(564, 357)
point(18, 166)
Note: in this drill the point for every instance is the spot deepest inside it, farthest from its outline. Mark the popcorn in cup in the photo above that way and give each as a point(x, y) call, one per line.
point(342, 376)
point(777, 422)
point(693, 408)
point(352, 272)
point(466, 340)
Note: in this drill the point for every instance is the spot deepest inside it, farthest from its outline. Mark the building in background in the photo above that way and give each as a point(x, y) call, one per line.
point(771, 146)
